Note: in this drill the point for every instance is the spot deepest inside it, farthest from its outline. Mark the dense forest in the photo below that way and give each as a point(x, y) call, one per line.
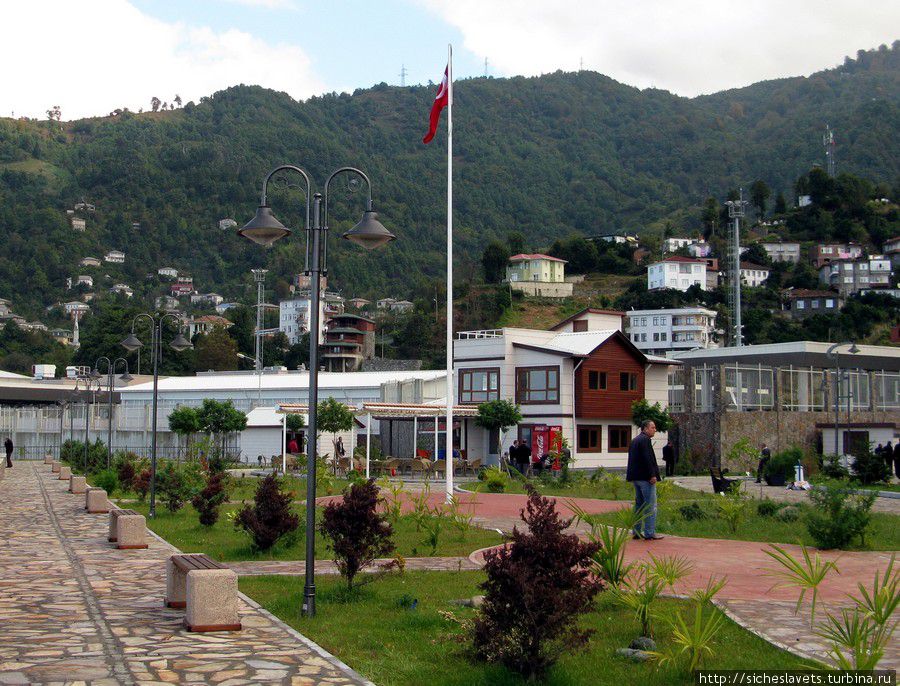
point(545, 156)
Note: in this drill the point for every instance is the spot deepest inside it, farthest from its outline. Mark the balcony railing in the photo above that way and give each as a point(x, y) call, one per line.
point(483, 333)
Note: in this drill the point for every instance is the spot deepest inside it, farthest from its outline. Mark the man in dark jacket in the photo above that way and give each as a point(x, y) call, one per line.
point(8, 444)
point(897, 459)
point(669, 457)
point(643, 472)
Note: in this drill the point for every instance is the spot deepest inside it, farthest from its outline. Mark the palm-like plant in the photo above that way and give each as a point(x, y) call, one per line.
point(609, 560)
point(637, 592)
point(694, 641)
point(882, 602)
point(670, 569)
point(857, 642)
point(807, 575)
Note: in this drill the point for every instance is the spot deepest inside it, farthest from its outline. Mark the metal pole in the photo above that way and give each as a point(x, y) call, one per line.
point(109, 388)
point(449, 437)
point(368, 441)
point(157, 334)
point(837, 403)
point(62, 417)
point(309, 591)
point(87, 439)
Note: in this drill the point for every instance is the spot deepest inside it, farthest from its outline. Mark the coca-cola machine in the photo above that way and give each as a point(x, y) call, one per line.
point(544, 439)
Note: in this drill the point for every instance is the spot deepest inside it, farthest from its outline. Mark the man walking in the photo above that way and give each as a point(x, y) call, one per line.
point(764, 456)
point(8, 444)
point(643, 472)
point(669, 458)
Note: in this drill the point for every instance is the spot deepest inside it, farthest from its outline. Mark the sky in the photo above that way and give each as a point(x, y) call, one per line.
point(93, 56)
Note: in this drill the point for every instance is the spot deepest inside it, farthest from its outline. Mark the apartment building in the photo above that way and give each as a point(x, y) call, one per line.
point(753, 275)
point(782, 251)
point(851, 276)
point(660, 331)
point(349, 341)
point(538, 274)
point(295, 315)
point(672, 244)
point(800, 303)
point(824, 253)
point(676, 272)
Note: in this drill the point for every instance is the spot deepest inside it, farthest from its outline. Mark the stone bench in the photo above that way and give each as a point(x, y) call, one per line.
point(77, 484)
point(207, 589)
point(127, 529)
point(54, 467)
point(95, 501)
point(65, 473)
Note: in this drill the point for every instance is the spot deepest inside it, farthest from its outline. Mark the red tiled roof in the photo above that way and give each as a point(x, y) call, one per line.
point(679, 258)
point(535, 256)
point(807, 293)
point(750, 265)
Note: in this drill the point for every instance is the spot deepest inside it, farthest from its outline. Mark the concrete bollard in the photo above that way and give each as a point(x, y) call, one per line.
point(212, 600)
point(77, 484)
point(95, 501)
point(48, 459)
point(2, 469)
point(65, 473)
point(131, 532)
point(54, 467)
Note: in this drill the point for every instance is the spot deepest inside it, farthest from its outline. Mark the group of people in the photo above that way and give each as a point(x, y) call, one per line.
point(520, 456)
point(891, 455)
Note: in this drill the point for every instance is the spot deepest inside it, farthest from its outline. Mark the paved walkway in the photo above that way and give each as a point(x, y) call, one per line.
point(73, 609)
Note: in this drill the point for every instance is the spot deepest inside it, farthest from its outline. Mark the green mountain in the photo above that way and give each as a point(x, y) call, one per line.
point(545, 156)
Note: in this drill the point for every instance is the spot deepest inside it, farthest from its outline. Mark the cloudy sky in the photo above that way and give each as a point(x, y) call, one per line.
point(92, 56)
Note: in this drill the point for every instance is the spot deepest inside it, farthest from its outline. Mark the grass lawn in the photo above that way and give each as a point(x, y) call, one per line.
point(883, 534)
point(223, 542)
point(579, 488)
point(378, 635)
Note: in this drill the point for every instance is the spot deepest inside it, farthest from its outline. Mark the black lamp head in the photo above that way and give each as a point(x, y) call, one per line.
point(132, 343)
point(264, 229)
point(369, 232)
point(180, 343)
point(126, 377)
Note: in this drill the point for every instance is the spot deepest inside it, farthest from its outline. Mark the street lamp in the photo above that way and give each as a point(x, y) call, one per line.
point(110, 373)
point(264, 229)
point(832, 354)
point(89, 384)
point(178, 344)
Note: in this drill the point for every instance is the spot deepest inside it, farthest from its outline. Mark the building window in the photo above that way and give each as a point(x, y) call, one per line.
point(619, 438)
point(537, 385)
point(801, 305)
point(479, 385)
point(580, 325)
point(829, 303)
point(628, 381)
point(596, 380)
point(815, 304)
point(663, 336)
point(589, 439)
point(656, 337)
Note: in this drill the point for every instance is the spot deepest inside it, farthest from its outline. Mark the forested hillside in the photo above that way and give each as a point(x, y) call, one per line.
point(547, 156)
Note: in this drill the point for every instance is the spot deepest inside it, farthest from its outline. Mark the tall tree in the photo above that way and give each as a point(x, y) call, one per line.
point(494, 261)
point(216, 351)
point(759, 194)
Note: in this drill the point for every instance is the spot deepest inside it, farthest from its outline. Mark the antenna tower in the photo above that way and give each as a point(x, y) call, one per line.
point(736, 213)
point(485, 67)
point(828, 143)
point(403, 73)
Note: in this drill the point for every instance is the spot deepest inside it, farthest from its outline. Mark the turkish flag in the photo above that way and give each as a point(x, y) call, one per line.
point(440, 102)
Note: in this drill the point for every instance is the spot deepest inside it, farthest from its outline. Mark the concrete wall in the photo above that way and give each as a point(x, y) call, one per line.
point(543, 289)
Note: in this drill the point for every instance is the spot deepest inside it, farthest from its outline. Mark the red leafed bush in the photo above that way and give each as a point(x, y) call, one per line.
point(140, 484)
point(270, 517)
point(536, 588)
point(210, 497)
point(356, 532)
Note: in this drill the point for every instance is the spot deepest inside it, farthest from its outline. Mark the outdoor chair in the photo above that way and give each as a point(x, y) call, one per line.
point(722, 485)
point(343, 465)
point(391, 464)
point(472, 466)
point(420, 466)
point(439, 467)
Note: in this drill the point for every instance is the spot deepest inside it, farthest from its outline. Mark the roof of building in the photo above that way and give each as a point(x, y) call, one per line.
point(215, 320)
point(521, 257)
point(344, 329)
point(681, 258)
point(586, 310)
point(751, 265)
point(809, 293)
point(264, 417)
point(347, 315)
point(249, 381)
point(583, 343)
point(799, 354)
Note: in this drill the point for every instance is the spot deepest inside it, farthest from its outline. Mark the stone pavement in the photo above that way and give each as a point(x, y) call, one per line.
point(74, 609)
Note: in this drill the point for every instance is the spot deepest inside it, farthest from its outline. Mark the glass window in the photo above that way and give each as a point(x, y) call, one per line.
point(596, 380)
point(537, 385)
point(589, 439)
point(829, 303)
point(619, 438)
point(801, 305)
point(628, 381)
point(815, 304)
point(479, 385)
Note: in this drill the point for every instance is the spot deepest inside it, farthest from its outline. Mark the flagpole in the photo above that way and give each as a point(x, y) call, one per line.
point(449, 436)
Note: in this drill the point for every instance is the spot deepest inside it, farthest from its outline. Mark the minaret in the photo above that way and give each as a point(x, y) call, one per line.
point(75, 341)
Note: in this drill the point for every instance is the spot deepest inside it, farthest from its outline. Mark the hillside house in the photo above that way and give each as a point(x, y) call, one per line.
point(802, 302)
point(167, 272)
point(89, 262)
point(660, 331)
point(782, 251)
point(824, 253)
point(670, 245)
point(676, 272)
point(115, 257)
point(78, 224)
point(853, 276)
point(539, 275)
point(753, 275)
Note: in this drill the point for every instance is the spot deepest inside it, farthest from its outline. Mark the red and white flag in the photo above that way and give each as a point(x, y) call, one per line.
point(441, 100)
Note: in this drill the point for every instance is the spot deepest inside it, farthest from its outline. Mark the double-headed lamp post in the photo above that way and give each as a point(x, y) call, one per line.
point(178, 344)
point(84, 385)
point(110, 383)
point(264, 229)
point(833, 354)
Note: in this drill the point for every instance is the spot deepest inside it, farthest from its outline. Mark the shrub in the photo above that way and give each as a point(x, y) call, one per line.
point(833, 469)
point(356, 532)
point(692, 512)
point(870, 468)
point(788, 514)
point(732, 508)
point(768, 508)
point(125, 468)
point(270, 517)
point(838, 515)
point(141, 484)
point(172, 487)
point(783, 463)
point(208, 500)
point(495, 480)
point(107, 480)
point(536, 588)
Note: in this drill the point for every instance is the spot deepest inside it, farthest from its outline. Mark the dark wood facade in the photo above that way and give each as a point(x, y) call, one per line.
point(614, 357)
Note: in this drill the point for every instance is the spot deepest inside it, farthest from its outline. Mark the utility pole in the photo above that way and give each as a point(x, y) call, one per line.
point(485, 67)
point(736, 213)
point(828, 143)
point(403, 73)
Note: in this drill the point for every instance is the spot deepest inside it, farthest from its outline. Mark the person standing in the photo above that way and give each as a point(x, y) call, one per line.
point(669, 458)
point(764, 456)
point(8, 444)
point(887, 454)
point(897, 459)
point(643, 472)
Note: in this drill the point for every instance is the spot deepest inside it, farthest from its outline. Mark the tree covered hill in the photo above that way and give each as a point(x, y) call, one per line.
point(545, 156)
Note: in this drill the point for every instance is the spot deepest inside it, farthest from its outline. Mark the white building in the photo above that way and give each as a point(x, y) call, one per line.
point(225, 224)
point(672, 244)
point(782, 251)
point(74, 307)
point(89, 262)
point(78, 224)
point(753, 274)
point(700, 249)
point(294, 317)
point(115, 256)
point(168, 272)
point(661, 331)
point(401, 306)
point(222, 308)
point(122, 289)
point(85, 280)
point(676, 272)
point(166, 302)
point(207, 299)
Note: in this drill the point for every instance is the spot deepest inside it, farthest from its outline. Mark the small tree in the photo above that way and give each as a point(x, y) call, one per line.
point(333, 417)
point(270, 517)
point(172, 486)
point(208, 500)
point(535, 590)
point(641, 410)
point(220, 419)
point(185, 422)
point(357, 533)
point(497, 416)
